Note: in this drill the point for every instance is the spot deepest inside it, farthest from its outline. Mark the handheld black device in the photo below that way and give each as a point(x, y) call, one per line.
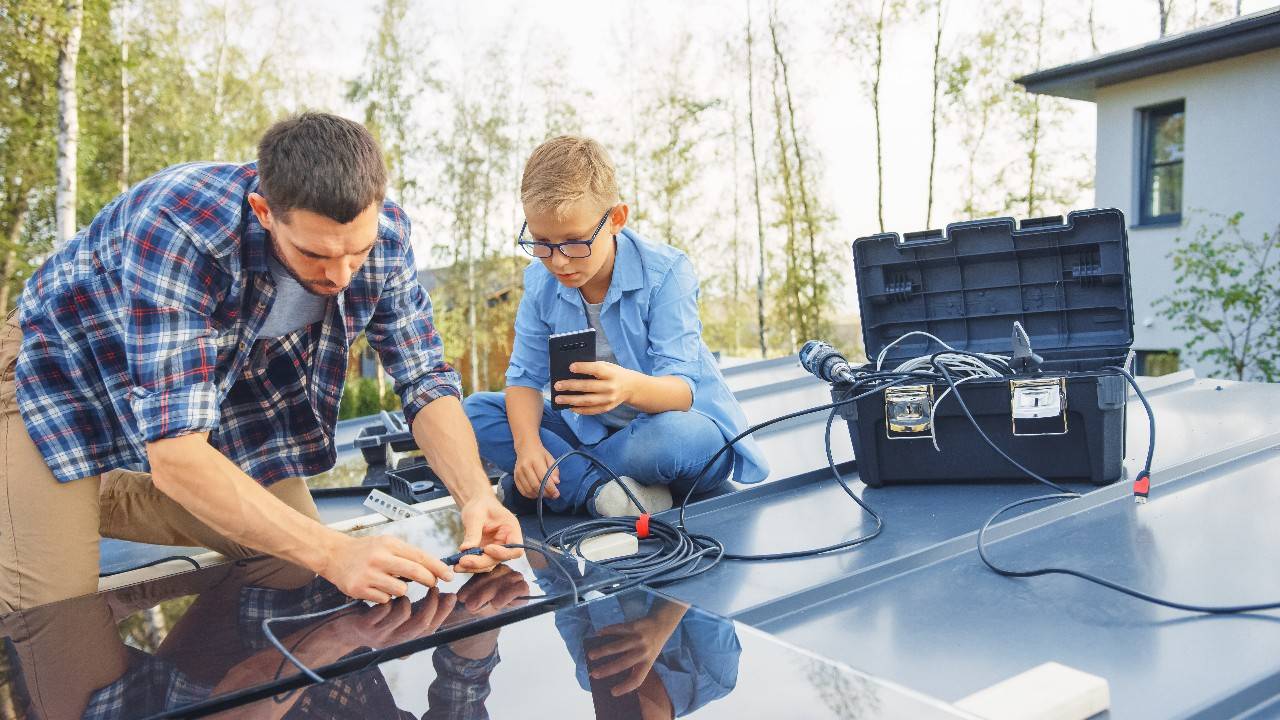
point(566, 349)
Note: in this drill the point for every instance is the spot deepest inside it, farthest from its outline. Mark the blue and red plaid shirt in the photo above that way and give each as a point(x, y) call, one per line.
point(145, 326)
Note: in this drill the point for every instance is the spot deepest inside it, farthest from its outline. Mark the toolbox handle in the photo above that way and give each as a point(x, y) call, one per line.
point(923, 237)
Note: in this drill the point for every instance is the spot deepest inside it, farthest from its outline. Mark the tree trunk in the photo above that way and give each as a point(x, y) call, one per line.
point(875, 109)
point(1093, 30)
point(735, 317)
point(812, 311)
point(219, 83)
point(933, 112)
point(755, 176)
point(11, 256)
point(126, 108)
point(68, 123)
point(791, 287)
point(1034, 153)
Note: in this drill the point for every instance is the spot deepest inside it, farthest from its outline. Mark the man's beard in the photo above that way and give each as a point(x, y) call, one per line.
point(319, 288)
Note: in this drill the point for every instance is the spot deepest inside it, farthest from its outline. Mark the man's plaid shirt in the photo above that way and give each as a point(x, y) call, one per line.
point(145, 326)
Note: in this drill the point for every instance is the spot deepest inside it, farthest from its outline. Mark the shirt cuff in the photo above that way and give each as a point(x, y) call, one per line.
point(447, 662)
point(424, 395)
point(519, 377)
point(693, 386)
point(178, 411)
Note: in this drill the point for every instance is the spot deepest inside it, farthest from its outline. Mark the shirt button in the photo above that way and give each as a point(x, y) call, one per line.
point(242, 345)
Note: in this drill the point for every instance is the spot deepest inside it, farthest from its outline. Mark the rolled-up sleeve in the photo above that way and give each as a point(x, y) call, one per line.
point(170, 294)
point(675, 331)
point(402, 330)
point(530, 366)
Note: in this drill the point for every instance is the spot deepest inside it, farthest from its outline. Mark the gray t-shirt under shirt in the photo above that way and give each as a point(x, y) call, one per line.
point(294, 308)
point(620, 416)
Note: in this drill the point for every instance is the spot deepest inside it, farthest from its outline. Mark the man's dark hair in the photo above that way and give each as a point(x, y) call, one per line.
point(321, 163)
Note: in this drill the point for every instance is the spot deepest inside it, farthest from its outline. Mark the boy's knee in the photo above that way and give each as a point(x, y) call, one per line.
point(687, 427)
point(484, 403)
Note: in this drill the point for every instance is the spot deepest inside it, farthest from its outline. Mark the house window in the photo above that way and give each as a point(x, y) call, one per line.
point(1160, 174)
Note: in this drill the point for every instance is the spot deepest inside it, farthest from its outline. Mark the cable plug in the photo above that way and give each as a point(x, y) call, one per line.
point(1024, 361)
point(1141, 487)
point(456, 558)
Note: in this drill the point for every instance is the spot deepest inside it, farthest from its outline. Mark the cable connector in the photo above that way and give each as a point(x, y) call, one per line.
point(1141, 487)
point(642, 526)
point(456, 558)
point(1024, 361)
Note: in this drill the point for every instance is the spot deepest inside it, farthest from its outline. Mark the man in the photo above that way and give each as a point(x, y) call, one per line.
point(656, 409)
point(174, 371)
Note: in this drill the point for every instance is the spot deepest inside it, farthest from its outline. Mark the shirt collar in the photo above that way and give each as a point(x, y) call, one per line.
point(254, 237)
point(628, 270)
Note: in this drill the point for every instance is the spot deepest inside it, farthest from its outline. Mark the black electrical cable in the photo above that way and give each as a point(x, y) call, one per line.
point(1069, 495)
point(880, 380)
point(153, 563)
point(316, 678)
point(673, 553)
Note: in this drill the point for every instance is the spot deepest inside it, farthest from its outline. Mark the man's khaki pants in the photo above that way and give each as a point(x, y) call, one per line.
point(49, 531)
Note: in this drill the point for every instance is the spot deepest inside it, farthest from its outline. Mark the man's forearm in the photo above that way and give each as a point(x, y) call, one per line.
point(220, 494)
point(444, 433)
point(524, 415)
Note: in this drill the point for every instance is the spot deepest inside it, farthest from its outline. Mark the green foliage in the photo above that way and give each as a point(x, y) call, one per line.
point(1227, 297)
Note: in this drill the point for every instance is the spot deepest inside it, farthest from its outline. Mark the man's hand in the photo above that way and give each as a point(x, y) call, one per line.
point(531, 465)
point(488, 594)
point(395, 622)
point(487, 524)
point(374, 568)
point(633, 647)
point(613, 385)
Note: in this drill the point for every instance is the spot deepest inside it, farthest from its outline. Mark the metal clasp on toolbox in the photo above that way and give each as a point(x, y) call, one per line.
point(908, 412)
point(1038, 406)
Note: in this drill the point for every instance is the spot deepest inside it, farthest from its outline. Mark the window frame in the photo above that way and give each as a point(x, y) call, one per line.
point(1147, 165)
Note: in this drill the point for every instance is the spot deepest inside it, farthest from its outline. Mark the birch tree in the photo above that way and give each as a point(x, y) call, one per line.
point(861, 29)
point(813, 284)
point(933, 106)
point(761, 257)
point(68, 120)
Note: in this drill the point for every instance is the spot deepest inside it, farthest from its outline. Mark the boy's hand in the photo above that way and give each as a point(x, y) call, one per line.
point(531, 464)
point(613, 385)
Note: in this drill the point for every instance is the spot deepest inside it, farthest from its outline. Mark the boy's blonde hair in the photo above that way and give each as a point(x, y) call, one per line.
point(565, 170)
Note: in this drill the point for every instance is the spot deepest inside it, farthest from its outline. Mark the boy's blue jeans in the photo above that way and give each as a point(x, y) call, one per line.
point(667, 448)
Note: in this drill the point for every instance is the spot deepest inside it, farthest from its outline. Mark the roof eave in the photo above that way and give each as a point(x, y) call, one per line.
point(1081, 80)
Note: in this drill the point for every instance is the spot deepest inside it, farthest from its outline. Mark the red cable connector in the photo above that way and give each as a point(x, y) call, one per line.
point(1141, 487)
point(642, 526)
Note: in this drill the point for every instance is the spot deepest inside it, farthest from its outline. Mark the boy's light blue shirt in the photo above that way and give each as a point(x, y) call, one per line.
point(650, 317)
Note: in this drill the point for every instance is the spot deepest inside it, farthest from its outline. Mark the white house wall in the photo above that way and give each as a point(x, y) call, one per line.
point(1231, 163)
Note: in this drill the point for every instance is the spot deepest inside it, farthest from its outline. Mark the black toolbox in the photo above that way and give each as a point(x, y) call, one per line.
point(1066, 282)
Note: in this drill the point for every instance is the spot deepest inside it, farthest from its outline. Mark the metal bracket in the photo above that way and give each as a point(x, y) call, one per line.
point(389, 507)
point(1038, 406)
point(908, 411)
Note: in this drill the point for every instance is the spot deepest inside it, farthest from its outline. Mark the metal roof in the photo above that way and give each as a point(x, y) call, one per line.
point(1228, 39)
point(916, 607)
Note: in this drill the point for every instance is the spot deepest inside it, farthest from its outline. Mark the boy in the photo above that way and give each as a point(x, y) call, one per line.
point(657, 408)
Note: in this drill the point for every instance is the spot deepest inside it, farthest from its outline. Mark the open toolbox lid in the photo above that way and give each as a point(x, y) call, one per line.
point(1067, 282)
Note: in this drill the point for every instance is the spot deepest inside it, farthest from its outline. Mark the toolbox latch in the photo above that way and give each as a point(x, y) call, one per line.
point(1039, 406)
point(908, 412)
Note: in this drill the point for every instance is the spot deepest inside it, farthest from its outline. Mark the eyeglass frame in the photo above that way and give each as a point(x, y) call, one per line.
point(528, 245)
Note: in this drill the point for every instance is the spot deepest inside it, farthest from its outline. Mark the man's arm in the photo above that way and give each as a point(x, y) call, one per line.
point(212, 488)
point(444, 433)
point(403, 332)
